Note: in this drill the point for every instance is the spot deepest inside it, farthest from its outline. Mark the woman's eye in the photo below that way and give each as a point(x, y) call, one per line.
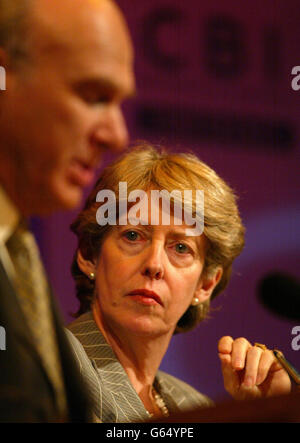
point(181, 248)
point(131, 235)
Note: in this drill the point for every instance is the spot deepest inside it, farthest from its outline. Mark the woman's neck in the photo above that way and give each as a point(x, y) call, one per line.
point(140, 356)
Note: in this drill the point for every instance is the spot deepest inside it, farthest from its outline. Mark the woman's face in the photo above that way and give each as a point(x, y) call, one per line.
point(147, 277)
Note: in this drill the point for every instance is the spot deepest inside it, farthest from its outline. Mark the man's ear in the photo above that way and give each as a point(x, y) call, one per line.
point(88, 267)
point(6, 61)
point(3, 58)
point(206, 286)
point(8, 72)
point(3, 69)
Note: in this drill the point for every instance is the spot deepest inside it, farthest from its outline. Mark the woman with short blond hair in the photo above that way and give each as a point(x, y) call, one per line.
point(140, 281)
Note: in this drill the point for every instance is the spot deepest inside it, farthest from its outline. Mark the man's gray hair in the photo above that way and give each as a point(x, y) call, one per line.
point(14, 27)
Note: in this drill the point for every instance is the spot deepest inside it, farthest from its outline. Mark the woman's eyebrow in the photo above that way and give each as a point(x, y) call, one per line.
point(182, 236)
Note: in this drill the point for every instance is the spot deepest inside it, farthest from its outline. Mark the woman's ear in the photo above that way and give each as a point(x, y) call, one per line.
point(88, 267)
point(206, 286)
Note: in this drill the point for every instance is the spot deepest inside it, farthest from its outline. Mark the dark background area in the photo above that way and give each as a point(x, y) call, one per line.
point(215, 78)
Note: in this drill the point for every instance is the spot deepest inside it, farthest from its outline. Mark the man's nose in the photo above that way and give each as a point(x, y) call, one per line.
point(153, 266)
point(111, 132)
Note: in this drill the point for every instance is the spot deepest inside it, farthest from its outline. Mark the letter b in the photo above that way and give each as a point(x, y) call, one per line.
point(225, 47)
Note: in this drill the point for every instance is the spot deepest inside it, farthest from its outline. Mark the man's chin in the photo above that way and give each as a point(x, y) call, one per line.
point(64, 198)
point(71, 198)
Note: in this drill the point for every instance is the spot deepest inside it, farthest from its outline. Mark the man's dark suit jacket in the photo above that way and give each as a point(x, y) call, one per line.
point(26, 394)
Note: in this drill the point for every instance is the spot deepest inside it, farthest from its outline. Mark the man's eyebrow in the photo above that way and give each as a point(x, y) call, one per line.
point(105, 83)
point(109, 84)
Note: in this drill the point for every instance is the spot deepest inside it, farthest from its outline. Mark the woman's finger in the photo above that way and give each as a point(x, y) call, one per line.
point(231, 379)
point(267, 362)
point(253, 358)
point(225, 345)
point(239, 351)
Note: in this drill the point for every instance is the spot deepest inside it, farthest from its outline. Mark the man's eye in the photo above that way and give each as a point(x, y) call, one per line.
point(93, 96)
point(94, 99)
point(131, 235)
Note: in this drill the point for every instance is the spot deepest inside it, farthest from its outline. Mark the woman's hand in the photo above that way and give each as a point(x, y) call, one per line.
point(249, 371)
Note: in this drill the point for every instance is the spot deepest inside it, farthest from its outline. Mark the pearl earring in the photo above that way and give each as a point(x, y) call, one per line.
point(195, 301)
point(91, 275)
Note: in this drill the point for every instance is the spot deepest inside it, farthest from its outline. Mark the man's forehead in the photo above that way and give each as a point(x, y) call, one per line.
point(96, 2)
point(69, 3)
point(80, 25)
point(67, 15)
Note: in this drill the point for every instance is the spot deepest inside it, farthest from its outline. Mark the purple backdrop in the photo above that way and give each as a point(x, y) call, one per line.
point(215, 78)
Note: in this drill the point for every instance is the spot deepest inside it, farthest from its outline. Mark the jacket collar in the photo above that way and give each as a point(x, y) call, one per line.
point(115, 380)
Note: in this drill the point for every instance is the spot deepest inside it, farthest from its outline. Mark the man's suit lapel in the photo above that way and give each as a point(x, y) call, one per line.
point(78, 402)
point(25, 390)
point(13, 320)
point(12, 317)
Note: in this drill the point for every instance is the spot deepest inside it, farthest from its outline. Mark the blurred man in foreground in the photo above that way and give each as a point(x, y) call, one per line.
point(68, 66)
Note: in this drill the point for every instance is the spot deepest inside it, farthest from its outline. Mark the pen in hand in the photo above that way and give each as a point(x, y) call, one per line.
point(293, 373)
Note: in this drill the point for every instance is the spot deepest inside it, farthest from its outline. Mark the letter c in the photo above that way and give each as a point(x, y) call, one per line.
point(150, 37)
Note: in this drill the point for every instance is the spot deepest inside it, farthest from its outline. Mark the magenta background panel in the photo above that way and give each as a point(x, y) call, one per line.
point(215, 78)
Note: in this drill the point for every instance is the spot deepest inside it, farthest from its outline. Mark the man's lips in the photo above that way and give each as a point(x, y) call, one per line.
point(82, 174)
point(146, 294)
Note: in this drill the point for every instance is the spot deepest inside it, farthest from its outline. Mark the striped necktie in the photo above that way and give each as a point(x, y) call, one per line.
point(34, 297)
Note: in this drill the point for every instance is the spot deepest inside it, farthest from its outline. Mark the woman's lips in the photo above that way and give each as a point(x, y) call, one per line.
point(145, 296)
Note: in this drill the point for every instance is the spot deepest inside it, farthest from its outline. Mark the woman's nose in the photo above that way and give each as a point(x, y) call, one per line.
point(153, 266)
